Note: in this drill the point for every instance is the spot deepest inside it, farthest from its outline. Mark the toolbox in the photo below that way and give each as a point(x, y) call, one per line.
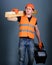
point(40, 55)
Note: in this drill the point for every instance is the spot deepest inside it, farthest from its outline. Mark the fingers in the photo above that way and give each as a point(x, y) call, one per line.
point(40, 44)
point(15, 10)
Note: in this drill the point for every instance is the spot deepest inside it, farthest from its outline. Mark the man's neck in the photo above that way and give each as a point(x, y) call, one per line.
point(29, 16)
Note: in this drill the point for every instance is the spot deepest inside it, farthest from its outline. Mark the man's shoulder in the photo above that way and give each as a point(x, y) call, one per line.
point(34, 17)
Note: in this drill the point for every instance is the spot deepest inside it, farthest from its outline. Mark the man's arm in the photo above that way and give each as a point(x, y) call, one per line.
point(37, 33)
point(12, 19)
point(40, 44)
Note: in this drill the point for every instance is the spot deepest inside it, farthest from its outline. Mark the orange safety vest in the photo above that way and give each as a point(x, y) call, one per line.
point(26, 28)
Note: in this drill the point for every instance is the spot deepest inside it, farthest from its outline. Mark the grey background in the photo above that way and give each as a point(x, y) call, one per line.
point(9, 30)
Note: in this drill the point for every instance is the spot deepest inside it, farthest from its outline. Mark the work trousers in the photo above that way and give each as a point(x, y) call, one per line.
point(26, 44)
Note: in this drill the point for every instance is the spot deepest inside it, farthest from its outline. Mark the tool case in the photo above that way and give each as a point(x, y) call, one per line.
point(40, 55)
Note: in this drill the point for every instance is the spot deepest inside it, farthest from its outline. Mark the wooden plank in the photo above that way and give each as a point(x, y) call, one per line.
point(13, 14)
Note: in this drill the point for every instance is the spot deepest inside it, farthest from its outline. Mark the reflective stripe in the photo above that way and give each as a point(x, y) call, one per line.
point(27, 31)
point(27, 25)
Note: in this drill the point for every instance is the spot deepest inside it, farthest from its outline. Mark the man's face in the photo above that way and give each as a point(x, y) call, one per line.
point(29, 10)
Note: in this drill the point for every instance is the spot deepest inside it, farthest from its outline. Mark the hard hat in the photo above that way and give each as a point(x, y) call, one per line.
point(30, 5)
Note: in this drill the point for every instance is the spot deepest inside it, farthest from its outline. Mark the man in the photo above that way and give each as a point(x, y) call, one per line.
point(27, 27)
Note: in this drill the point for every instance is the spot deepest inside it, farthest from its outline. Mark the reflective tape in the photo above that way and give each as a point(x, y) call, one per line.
point(27, 25)
point(27, 31)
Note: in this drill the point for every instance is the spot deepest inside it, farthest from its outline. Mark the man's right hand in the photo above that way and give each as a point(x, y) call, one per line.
point(15, 10)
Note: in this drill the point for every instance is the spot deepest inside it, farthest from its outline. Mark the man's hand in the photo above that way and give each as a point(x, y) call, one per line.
point(15, 10)
point(40, 45)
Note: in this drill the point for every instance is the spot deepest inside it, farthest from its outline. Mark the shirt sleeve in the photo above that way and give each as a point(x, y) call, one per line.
point(36, 22)
point(19, 18)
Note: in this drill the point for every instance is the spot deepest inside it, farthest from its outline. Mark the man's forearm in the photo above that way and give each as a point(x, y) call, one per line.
point(12, 19)
point(38, 36)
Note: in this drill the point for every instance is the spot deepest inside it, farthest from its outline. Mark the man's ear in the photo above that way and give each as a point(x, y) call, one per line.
point(32, 11)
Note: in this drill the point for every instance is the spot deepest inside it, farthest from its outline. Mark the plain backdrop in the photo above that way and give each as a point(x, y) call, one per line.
point(9, 39)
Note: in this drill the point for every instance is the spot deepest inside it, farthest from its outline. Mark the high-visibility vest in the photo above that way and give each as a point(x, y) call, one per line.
point(26, 28)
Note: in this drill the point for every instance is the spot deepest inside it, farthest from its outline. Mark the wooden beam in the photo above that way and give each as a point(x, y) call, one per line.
point(20, 13)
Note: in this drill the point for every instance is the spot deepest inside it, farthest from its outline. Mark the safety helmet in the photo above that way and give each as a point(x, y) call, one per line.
point(30, 5)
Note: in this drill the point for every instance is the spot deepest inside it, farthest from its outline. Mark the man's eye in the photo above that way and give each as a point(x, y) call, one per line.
point(28, 9)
